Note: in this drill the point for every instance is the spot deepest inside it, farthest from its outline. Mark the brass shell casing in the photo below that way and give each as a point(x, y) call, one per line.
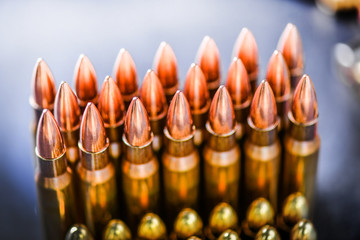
point(157, 127)
point(295, 76)
point(253, 77)
point(71, 139)
point(241, 113)
point(199, 118)
point(283, 106)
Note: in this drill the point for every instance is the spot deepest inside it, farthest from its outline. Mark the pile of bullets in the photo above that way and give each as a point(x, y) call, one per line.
point(210, 162)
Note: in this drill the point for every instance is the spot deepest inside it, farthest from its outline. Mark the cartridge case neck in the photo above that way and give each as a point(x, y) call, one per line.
point(242, 111)
point(114, 133)
point(302, 132)
point(262, 137)
point(71, 138)
point(179, 148)
point(157, 123)
point(52, 167)
point(200, 116)
point(283, 106)
point(94, 161)
point(138, 154)
point(253, 76)
point(295, 75)
point(223, 142)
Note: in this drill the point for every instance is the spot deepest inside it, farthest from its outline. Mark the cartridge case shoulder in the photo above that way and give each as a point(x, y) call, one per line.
point(96, 177)
point(302, 148)
point(222, 158)
point(181, 164)
point(262, 153)
point(54, 183)
point(140, 171)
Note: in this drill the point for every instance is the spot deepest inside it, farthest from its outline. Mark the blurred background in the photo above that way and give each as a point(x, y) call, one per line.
point(59, 31)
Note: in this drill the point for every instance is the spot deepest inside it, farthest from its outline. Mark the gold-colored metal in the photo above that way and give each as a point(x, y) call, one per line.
point(116, 230)
point(78, 232)
point(151, 227)
point(229, 235)
point(193, 238)
point(267, 233)
point(303, 230)
point(188, 223)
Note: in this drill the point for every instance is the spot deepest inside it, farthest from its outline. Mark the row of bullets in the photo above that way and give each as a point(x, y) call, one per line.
point(125, 152)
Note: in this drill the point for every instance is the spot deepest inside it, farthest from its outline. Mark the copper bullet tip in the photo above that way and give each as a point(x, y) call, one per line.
point(92, 131)
point(208, 58)
point(263, 112)
point(125, 74)
point(66, 110)
point(137, 126)
point(238, 83)
point(195, 88)
point(165, 64)
point(179, 122)
point(246, 49)
point(111, 105)
point(152, 95)
point(221, 115)
point(43, 86)
point(49, 142)
point(291, 47)
point(304, 107)
point(85, 79)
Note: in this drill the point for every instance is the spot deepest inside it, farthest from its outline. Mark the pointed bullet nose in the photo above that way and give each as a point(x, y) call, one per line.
point(92, 131)
point(66, 110)
point(263, 112)
point(49, 142)
point(304, 107)
point(152, 95)
point(43, 86)
point(278, 75)
point(179, 121)
point(195, 89)
point(85, 79)
point(165, 64)
point(246, 49)
point(137, 126)
point(221, 115)
point(208, 58)
point(111, 105)
point(125, 75)
point(238, 83)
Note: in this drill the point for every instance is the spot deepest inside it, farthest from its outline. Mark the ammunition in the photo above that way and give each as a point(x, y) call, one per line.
point(151, 227)
point(181, 159)
point(193, 238)
point(165, 64)
point(302, 143)
point(290, 46)
point(303, 230)
point(188, 223)
point(208, 58)
point(246, 49)
point(85, 82)
point(125, 76)
point(198, 96)
point(221, 153)
point(78, 232)
point(116, 230)
point(96, 173)
point(56, 200)
point(153, 97)
point(267, 233)
point(229, 235)
point(262, 148)
point(140, 167)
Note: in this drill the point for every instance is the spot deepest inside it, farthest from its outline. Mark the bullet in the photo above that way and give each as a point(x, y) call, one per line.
point(56, 200)
point(302, 143)
point(208, 58)
point(188, 223)
point(116, 230)
point(262, 148)
point(125, 76)
point(151, 227)
point(96, 173)
point(303, 230)
point(290, 46)
point(165, 64)
point(193, 238)
point(267, 233)
point(180, 160)
point(197, 94)
point(246, 49)
point(153, 97)
point(229, 235)
point(221, 153)
point(78, 232)
point(140, 168)
point(85, 82)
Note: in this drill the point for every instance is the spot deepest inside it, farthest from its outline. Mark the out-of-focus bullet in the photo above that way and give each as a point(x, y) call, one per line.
point(140, 167)
point(267, 233)
point(262, 148)
point(229, 235)
point(180, 160)
point(96, 173)
point(56, 200)
point(246, 49)
point(125, 76)
point(208, 58)
point(78, 232)
point(153, 97)
point(290, 46)
point(151, 227)
point(116, 230)
point(198, 96)
point(193, 238)
point(221, 153)
point(188, 223)
point(165, 64)
point(302, 143)
point(85, 82)
point(303, 230)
